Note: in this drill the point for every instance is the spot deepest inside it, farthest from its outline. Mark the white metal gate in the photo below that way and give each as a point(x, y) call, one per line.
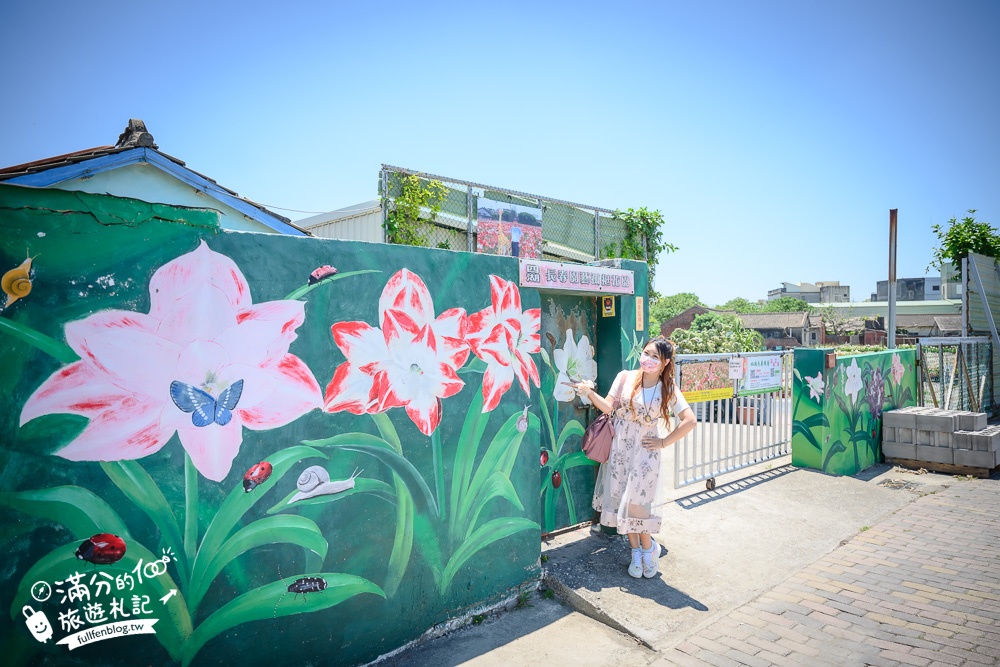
point(738, 432)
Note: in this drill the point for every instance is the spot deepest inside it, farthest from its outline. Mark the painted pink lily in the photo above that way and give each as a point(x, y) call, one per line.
point(411, 361)
point(505, 337)
point(203, 363)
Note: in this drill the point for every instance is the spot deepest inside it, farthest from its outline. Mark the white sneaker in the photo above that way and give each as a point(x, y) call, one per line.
point(635, 568)
point(650, 560)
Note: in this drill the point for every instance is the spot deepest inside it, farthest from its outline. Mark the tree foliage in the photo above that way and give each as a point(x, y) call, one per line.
point(666, 307)
point(839, 322)
point(960, 238)
point(741, 305)
point(643, 238)
point(403, 223)
point(716, 332)
point(784, 304)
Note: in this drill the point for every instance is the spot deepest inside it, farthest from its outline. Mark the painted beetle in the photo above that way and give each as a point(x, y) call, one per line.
point(256, 475)
point(321, 273)
point(102, 549)
point(307, 585)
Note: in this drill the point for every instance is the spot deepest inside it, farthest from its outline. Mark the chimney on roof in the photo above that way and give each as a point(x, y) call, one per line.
point(135, 136)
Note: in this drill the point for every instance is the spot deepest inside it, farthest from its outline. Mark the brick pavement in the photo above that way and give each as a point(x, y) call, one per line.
point(921, 588)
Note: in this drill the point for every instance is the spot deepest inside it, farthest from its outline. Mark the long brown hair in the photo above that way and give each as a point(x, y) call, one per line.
point(665, 349)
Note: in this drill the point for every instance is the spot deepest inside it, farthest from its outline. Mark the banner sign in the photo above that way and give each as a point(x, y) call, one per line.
point(109, 630)
point(542, 274)
point(508, 229)
point(761, 374)
point(705, 380)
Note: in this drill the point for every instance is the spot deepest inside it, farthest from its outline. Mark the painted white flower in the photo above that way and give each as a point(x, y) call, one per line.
point(854, 383)
point(816, 386)
point(897, 368)
point(575, 362)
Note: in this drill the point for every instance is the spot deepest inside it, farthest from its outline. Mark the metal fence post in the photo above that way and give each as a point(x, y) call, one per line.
point(597, 235)
point(384, 174)
point(471, 230)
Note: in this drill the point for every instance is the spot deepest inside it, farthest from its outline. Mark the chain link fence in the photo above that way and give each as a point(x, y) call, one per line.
point(569, 232)
point(956, 373)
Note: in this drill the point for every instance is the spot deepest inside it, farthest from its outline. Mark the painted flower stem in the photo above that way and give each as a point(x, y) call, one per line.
point(52, 347)
point(190, 508)
point(438, 472)
point(305, 289)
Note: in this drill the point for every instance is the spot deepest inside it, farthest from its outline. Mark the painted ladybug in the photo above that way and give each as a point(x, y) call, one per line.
point(102, 549)
point(321, 273)
point(556, 479)
point(307, 585)
point(544, 457)
point(256, 475)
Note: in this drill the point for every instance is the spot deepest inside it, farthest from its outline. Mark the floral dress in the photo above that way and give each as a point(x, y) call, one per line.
point(627, 489)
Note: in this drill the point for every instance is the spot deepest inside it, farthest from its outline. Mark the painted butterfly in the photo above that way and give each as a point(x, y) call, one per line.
point(204, 408)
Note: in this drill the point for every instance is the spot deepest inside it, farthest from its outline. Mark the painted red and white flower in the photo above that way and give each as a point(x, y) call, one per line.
point(411, 361)
point(203, 363)
point(505, 337)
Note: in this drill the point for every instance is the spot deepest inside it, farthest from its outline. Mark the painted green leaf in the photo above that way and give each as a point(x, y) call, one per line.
point(50, 346)
point(174, 625)
point(387, 431)
point(475, 365)
point(835, 448)
point(281, 529)
point(383, 451)
point(818, 419)
point(500, 455)
point(376, 487)
point(570, 504)
point(305, 289)
point(498, 485)
point(81, 511)
point(402, 543)
point(137, 485)
point(576, 459)
point(238, 501)
point(272, 601)
point(466, 450)
point(426, 540)
point(571, 429)
point(800, 428)
point(487, 534)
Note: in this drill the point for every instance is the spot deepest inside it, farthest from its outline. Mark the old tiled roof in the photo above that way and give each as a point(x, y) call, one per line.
point(774, 320)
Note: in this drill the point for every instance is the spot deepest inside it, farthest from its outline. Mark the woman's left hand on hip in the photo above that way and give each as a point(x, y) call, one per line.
point(652, 443)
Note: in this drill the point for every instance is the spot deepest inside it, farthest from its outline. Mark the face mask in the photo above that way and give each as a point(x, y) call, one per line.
point(648, 363)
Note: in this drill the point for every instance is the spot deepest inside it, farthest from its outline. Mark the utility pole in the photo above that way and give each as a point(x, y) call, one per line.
point(890, 326)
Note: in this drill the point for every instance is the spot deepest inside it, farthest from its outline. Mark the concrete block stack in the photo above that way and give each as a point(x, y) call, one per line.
point(940, 438)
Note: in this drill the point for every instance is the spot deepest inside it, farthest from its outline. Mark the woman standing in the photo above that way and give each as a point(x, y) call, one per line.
point(627, 487)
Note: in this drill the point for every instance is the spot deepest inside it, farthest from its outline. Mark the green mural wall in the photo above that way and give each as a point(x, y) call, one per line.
point(837, 413)
point(211, 437)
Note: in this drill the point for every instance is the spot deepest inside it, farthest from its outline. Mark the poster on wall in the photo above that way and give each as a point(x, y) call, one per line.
point(761, 374)
point(509, 229)
point(705, 380)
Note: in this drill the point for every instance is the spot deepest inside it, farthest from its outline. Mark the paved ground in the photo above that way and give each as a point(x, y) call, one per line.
point(780, 567)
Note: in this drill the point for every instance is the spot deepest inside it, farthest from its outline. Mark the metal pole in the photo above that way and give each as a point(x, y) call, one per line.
point(471, 219)
point(597, 235)
point(385, 203)
point(965, 296)
point(890, 341)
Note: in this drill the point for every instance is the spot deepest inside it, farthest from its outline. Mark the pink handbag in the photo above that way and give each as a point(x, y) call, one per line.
point(597, 438)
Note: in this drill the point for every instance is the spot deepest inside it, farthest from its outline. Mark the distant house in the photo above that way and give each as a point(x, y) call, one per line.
point(361, 222)
point(910, 289)
point(683, 320)
point(780, 330)
point(135, 167)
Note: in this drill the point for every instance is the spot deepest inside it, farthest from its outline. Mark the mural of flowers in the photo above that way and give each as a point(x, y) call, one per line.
point(203, 363)
point(410, 362)
point(575, 362)
point(897, 369)
point(815, 386)
point(875, 393)
point(853, 384)
point(504, 337)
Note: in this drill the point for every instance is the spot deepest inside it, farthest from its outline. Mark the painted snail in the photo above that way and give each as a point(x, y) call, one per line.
point(16, 283)
point(315, 481)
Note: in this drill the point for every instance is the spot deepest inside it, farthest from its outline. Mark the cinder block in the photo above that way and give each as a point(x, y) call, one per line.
point(899, 419)
point(986, 440)
point(962, 440)
point(904, 435)
point(888, 433)
point(935, 454)
point(943, 439)
point(968, 457)
point(922, 437)
point(942, 422)
point(897, 450)
point(972, 421)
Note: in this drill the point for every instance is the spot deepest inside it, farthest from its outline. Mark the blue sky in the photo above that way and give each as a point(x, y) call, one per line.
point(774, 136)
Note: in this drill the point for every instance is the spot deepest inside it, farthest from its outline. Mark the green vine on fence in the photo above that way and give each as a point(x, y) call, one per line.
point(403, 222)
point(643, 239)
